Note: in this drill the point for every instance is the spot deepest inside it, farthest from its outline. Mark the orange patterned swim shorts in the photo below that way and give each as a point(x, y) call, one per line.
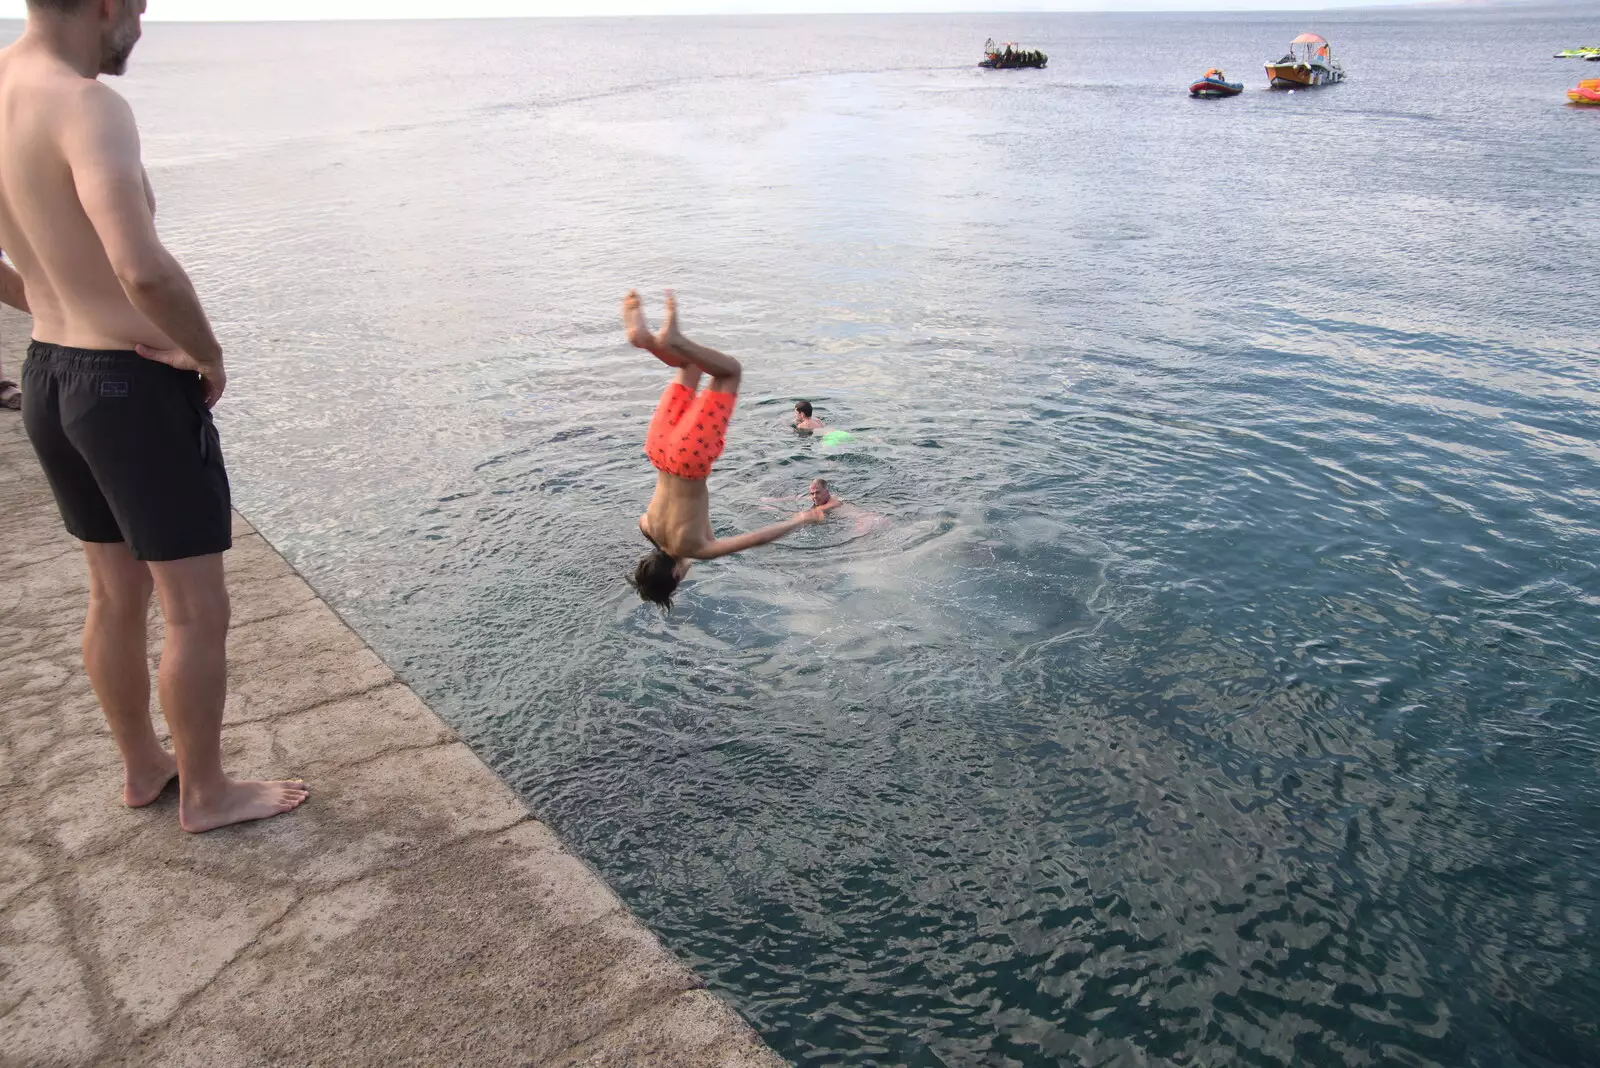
point(689, 431)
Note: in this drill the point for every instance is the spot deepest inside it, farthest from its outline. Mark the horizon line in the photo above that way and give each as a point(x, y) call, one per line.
point(1223, 9)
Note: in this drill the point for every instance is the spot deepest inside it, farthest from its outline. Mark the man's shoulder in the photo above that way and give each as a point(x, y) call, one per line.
point(90, 97)
point(91, 115)
point(66, 94)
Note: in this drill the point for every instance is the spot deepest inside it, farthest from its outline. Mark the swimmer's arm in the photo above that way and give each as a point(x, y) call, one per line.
point(831, 505)
point(101, 147)
point(11, 288)
point(765, 536)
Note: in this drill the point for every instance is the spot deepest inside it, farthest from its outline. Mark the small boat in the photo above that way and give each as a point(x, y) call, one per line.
point(1215, 84)
point(1309, 63)
point(1587, 93)
point(1588, 52)
point(1009, 57)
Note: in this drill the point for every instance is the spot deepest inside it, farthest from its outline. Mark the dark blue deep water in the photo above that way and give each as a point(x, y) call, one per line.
point(1221, 683)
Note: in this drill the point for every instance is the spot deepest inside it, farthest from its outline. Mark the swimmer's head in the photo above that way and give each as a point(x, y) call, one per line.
point(820, 494)
point(804, 408)
point(657, 577)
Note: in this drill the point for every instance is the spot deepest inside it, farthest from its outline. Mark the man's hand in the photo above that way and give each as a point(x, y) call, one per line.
point(212, 376)
point(812, 516)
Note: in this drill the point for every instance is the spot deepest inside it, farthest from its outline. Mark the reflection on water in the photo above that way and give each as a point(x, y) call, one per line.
point(1220, 684)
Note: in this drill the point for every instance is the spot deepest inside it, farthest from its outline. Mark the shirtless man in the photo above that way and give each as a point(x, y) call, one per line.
point(804, 421)
point(821, 495)
point(117, 391)
point(686, 437)
point(824, 500)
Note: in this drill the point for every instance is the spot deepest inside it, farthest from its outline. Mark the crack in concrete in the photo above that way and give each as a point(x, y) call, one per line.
point(327, 890)
point(33, 563)
point(318, 706)
point(7, 1010)
point(183, 1004)
point(21, 897)
point(396, 751)
point(104, 1007)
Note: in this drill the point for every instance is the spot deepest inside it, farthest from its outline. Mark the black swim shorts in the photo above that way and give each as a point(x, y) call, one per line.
point(130, 451)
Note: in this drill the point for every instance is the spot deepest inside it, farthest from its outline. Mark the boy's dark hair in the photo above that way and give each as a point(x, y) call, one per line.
point(803, 407)
point(62, 7)
point(656, 578)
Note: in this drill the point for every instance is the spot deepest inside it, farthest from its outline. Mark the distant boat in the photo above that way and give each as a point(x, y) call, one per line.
point(1587, 93)
point(1009, 57)
point(1589, 52)
point(1215, 84)
point(1309, 63)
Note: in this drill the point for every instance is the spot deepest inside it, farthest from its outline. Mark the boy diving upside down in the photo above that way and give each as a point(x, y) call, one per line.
point(686, 436)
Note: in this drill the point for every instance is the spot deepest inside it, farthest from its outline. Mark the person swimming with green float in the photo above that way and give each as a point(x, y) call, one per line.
point(687, 435)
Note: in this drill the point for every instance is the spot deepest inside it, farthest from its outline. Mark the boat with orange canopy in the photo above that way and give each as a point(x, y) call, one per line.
point(1309, 63)
point(1587, 93)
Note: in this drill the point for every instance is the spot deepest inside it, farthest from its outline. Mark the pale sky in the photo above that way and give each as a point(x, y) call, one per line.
point(210, 10)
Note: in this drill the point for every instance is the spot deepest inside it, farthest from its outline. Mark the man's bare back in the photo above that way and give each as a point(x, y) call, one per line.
point(46, 110)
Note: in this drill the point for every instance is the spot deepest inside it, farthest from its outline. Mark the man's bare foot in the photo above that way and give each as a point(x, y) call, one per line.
point(241, 802)
point(141, 786)
point(637, 328)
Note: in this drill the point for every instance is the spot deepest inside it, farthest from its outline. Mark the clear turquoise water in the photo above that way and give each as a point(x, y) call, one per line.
point(1223, 688)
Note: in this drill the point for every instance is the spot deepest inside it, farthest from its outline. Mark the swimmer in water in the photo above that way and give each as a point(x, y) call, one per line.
point(822, 496)
point(824, 500)
point(686, 436)
point(804, 421)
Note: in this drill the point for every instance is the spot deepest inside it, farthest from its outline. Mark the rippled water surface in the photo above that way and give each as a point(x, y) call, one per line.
point(1219, 684)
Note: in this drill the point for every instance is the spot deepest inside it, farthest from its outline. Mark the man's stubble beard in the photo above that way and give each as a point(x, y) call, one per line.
point(118, 50)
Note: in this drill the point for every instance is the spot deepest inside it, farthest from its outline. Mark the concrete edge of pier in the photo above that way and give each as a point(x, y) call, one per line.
point(412, 912)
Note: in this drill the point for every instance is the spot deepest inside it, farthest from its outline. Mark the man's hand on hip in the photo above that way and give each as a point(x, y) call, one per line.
point(212, 376)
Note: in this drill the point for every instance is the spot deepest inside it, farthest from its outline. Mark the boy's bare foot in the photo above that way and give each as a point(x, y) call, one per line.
point(141, 786)
point(668, 338)
point(241, 802)
point(634, 323)
point(637, 328)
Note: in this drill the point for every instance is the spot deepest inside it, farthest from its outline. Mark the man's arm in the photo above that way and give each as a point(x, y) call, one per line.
point(102, 148)
point(11, 289)
point(766, 535)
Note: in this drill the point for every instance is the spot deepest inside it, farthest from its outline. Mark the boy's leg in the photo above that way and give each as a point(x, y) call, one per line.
point(637, 328)
point(725, 371)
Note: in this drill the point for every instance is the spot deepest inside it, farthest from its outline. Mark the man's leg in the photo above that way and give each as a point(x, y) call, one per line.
point(194, 686)
point(114, 655)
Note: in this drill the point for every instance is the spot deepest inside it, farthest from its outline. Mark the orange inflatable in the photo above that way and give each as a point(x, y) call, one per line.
point(1586, 93)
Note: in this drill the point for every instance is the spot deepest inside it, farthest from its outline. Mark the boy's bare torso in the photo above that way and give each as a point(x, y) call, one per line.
point(76, 298)
point(679, 517)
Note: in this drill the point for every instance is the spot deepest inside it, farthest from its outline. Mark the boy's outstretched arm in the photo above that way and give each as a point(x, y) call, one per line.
point(766, 535)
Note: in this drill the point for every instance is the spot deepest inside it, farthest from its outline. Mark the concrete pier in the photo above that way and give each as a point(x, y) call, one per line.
point(411, 913)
